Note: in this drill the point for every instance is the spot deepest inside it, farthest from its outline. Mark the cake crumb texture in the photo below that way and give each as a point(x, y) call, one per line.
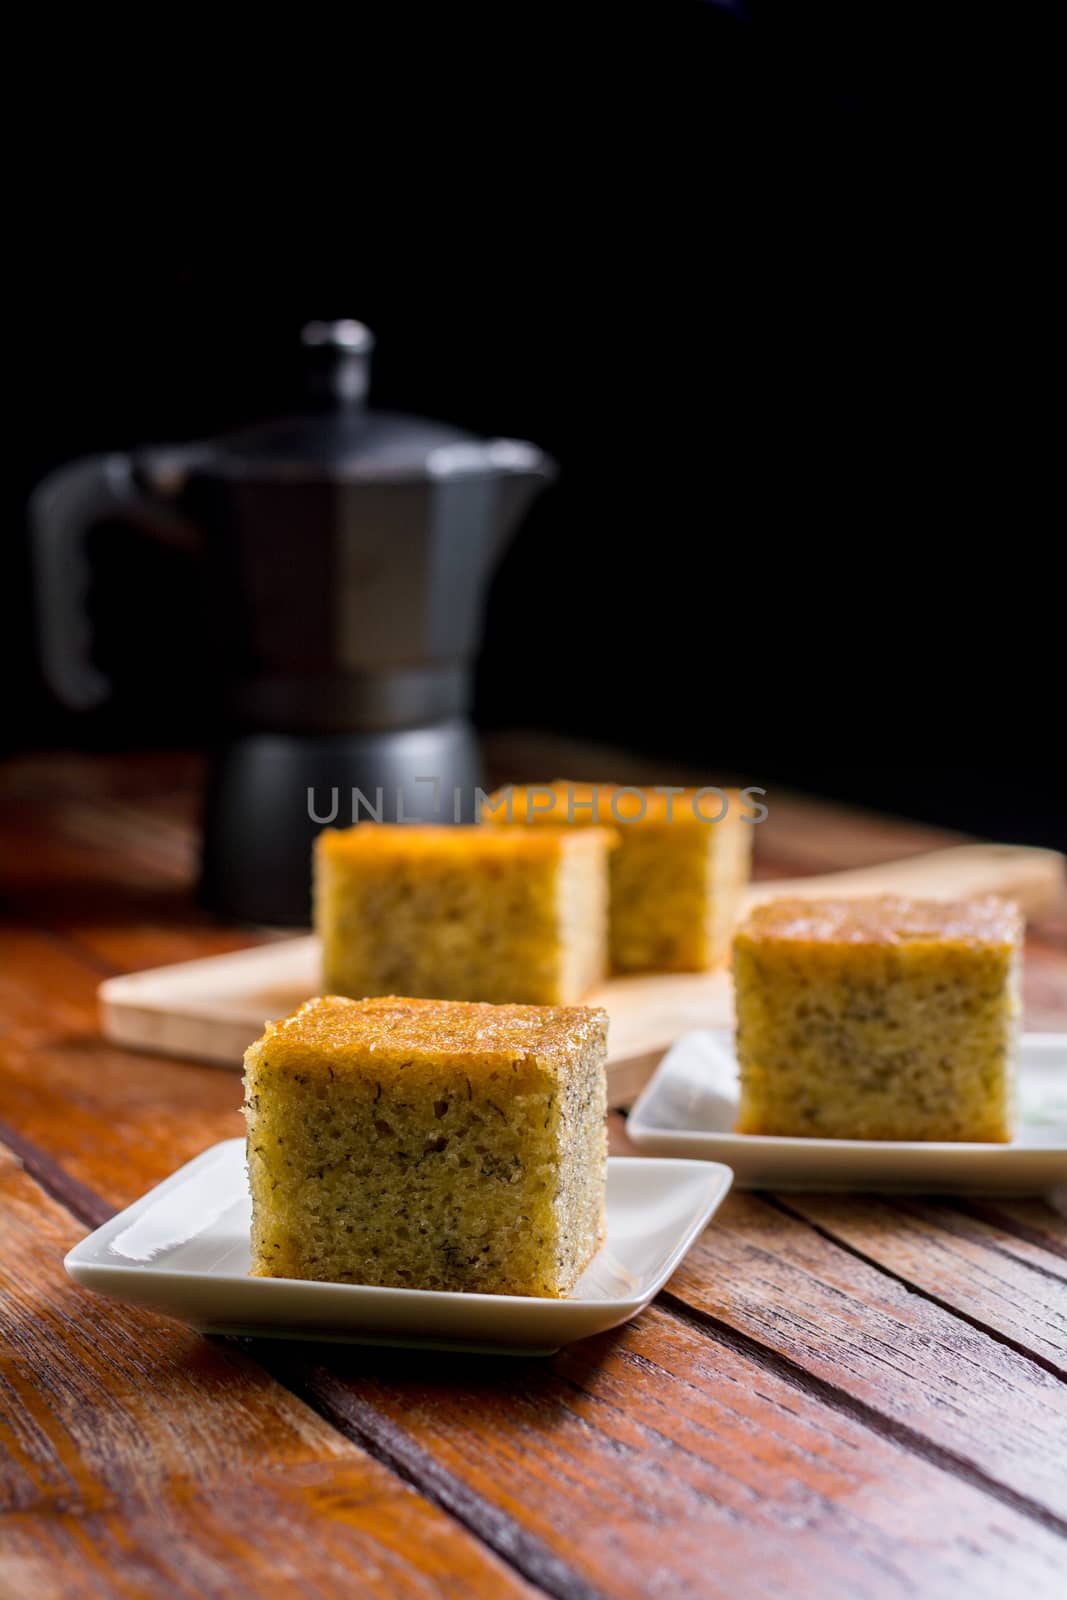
point(428, 1144)
point(882, 1018)
point(676, 875)
point(462, 913)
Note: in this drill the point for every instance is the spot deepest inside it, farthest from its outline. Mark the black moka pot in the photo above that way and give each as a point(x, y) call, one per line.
point(347, 557)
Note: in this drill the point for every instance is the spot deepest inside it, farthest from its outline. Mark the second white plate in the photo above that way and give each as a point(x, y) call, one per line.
point(689, 1108)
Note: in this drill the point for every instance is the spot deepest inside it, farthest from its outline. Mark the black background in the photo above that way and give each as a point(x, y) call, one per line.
point(773, 284)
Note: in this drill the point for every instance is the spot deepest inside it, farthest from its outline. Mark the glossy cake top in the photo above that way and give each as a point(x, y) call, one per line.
point(885, 920)
point(402, 1032)
point(562, 803)
point(472, 842)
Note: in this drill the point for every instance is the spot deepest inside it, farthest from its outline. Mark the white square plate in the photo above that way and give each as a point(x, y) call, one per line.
point(183, 1250)
point(689, 1107)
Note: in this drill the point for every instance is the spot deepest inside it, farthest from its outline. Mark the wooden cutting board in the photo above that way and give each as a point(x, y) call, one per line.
point(211, 1010)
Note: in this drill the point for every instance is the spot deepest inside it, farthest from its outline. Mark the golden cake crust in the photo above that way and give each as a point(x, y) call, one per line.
point(474, 843)
point(884, 920)
point(401, 1031)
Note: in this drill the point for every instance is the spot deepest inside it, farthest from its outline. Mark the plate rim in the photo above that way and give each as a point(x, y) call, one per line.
point(718, 1175)
point(642, 1132)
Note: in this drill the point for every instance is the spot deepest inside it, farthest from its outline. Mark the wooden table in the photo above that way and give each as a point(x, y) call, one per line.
point(834, 1397)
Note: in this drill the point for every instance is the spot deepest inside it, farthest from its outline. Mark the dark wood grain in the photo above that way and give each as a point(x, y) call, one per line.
point(992, 1277)
point(111, 1118)
point(142, 1459)
point(902, 1354)
point(836, 1396)
point(110, 869)
point(1041, 1221)
point(664, 1459)
point(855, 1324)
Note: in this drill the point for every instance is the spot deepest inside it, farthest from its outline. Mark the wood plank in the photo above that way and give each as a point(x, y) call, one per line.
point(111, 878)
point(976, 1269)
point(667, 1461)
point(88, 1104)
point(1034, 879)
point(653, 1461)
point(584, 1462)
point(683, 1452)
point(213, 1010)
point(1043, 1222)
point(846, 1322)
point(141, 1459)
point(527, 1450)
point(128, 1121)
